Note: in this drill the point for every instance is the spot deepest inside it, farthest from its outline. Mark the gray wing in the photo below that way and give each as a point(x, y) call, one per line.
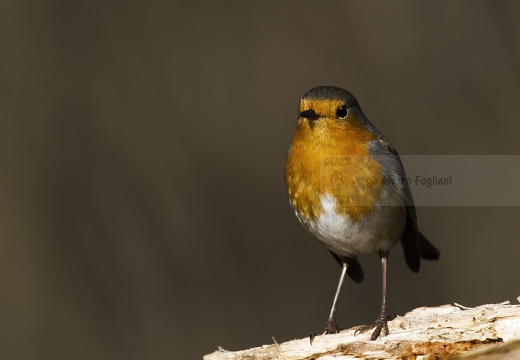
point(414, 244)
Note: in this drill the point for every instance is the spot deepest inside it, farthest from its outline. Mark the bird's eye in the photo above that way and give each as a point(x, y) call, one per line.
point(342, 112)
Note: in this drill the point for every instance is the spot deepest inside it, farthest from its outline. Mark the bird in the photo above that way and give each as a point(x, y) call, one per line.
point(347, 186)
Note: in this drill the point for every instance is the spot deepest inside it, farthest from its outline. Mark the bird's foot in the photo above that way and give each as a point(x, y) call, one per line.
point(331, 327)
point(381, 323)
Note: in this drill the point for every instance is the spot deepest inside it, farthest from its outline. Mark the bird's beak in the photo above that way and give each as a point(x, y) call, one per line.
point(310, 115)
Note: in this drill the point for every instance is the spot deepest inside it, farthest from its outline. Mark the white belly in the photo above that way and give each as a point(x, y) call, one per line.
point(379, 230)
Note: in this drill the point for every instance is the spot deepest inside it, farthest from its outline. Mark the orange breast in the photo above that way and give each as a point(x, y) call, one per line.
point(332, 159)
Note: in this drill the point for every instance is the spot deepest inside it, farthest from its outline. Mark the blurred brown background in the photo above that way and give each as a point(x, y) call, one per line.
point(142, 209)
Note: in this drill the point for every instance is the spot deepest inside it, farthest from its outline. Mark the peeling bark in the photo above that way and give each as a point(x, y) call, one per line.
point(485, 332)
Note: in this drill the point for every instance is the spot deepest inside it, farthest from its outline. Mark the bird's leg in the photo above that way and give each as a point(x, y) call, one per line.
point(382, 320)
point(330, 326)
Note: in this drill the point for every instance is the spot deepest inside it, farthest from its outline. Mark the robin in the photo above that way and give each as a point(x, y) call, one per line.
point(345, 182)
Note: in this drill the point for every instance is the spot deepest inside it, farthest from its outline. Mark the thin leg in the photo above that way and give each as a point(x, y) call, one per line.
point(331, 327)
point(382, 321)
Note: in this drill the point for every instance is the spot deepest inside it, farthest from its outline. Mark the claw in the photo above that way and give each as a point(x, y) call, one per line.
point(362, 329)
point(311, 337)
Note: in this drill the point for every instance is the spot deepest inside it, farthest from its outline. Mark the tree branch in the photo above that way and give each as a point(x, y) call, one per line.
point(424, 333)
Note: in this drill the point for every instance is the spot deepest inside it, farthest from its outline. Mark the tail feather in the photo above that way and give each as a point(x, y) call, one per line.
point(427, 250)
